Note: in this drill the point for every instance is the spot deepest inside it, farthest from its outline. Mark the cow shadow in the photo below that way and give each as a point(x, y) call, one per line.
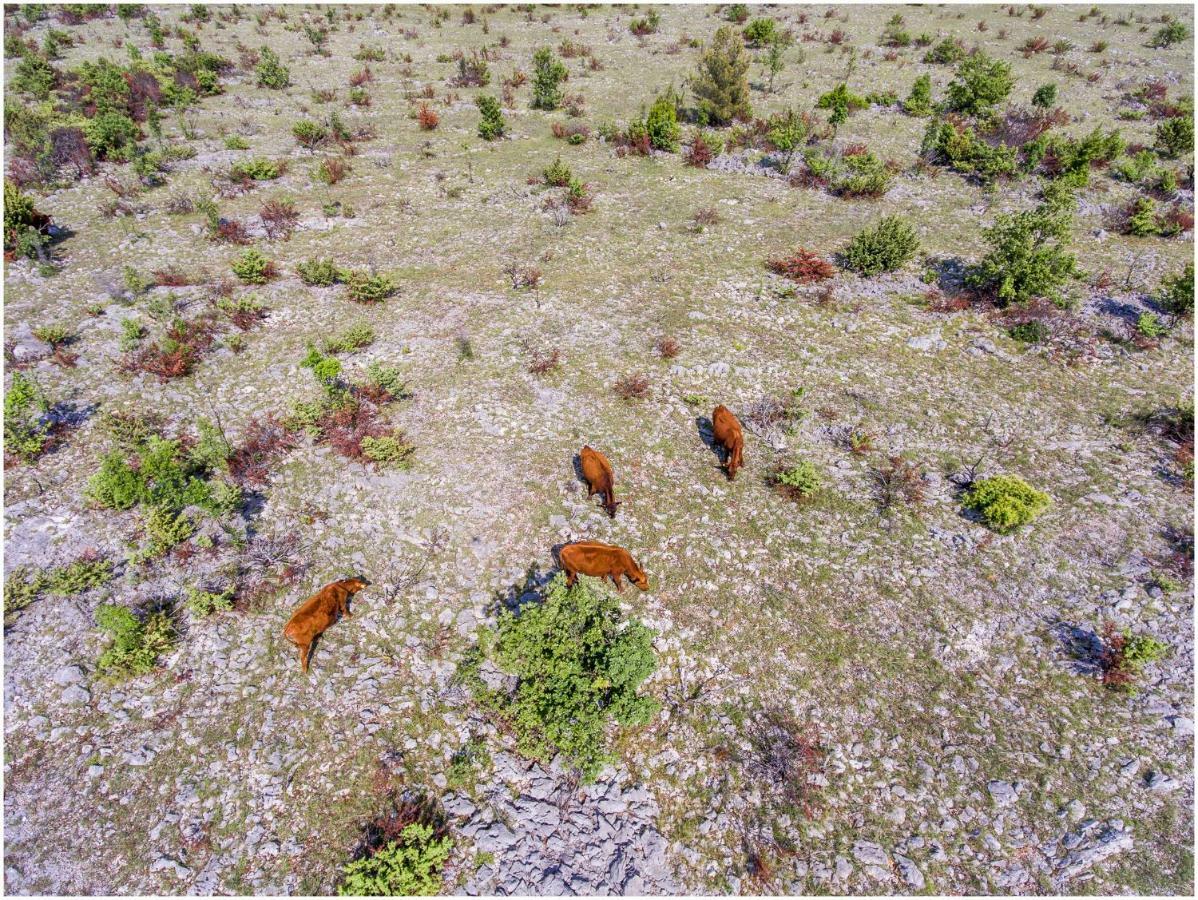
point(706, 433)
point(529, 589)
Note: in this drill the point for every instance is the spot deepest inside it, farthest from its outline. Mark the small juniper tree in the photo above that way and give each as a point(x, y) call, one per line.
point(1029, 256)
point(721, 85)
point(981, 83)
point(919, 102)
point(548, 74)
point(662, 123)
point(1045, 96)
point(491, 125)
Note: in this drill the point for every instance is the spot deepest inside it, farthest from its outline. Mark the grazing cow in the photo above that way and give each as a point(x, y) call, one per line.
point(600, 480)
point(601, 561)
point(320, 611)
point(725, 429)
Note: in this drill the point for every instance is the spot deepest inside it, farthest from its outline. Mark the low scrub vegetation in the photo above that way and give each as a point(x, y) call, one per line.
point(1005, 502)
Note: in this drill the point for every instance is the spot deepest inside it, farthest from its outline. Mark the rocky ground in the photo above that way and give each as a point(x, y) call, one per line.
point(945, 674)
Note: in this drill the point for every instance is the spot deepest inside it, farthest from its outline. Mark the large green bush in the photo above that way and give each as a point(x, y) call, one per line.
point(1028, 258)
point(1005, 502)
point(409, 867)
point(841, 101)
point(981, 83)
point(887, 246)
point(721, 85)
point(577, 666)
point(919, 101)
point(761, 31)
point(110, 134)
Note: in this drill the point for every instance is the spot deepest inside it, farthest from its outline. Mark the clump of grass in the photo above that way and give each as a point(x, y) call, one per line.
point(1124, 655)
point(368, 287)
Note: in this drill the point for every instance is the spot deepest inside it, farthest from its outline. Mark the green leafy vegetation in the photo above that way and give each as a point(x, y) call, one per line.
point(491, 125)
point(1028, 257)
point(889, 245)
point(408, 867)
point(577, 666)
point(136, 643)
point(721, 85)
point(548, 74)
point(26, 429)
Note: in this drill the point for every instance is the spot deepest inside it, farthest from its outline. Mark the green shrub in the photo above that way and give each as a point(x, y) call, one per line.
point(980, 84)
point(1141, 649)
point(1138, 169)
point(1175, 136)
point(34, 75)
point(947, 52)
point(1045, 96)
point(136, 644)
point(26, 431)
point(270, 72)
point(81, 575)
point(721, 85)
point(576, 666)
point(1141, 219)
point(22, 222)
point(887, 246)
point(863, 175)
point(787, 134)
point(380, 377)
point(155, 472)
point(919, 101)
point(409, 867)
point(1033, 332)
point(1005, 502)
point(548, 74)
point(353, 338)
point(1150, 326)
point(1173, 33)
point(253, 267)
point(387, 450)
point(366, 287)
point(1028, 258)
point(557, 174)
point(492, 124)
point(841, 101)
point(110, 134)
point(255, 170)
point(202, 603)
point(22, 586)
point(235, 142)
point(314, 271)
point(662, 123)
point(761, 31)
point(308, 133)
point(1177, 292)
point(801, 480)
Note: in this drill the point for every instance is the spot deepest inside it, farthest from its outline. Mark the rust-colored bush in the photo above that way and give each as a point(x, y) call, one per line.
point(699, 154)
point(279, 218)
point(632, 387)
point(667, 347)
point(804, 266)
point(266, 440)
point(427, 117)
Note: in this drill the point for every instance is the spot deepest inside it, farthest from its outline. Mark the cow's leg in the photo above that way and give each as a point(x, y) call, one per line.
point(345, 607)
point(571, 577)
point(304, 651)
point(615, 579)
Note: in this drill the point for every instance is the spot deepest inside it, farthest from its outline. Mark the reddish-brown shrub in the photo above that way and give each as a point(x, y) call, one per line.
point(279, 218)
point(837, 37)
point(544, 362)
point(667, 347)
point(171, 276)
point(698, 154)
point(427, 117)
point(361, 77)
point(899, 479)
point(804, 266)
point(1034, 45)
point(632, 387)
point(265, 441)
point(230, 231)
point(176, 355)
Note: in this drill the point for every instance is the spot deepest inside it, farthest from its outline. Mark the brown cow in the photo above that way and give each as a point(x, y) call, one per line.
point(320, 611)
point(601, 561)
point(599, 478)
point(725, 429)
